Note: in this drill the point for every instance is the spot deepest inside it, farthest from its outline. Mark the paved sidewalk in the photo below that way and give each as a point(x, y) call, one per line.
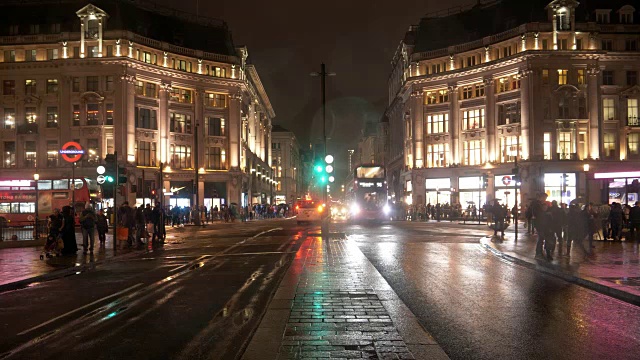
point(614, 270)
point(333, 303)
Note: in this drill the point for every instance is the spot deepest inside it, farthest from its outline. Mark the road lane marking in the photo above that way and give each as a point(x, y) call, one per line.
point(78, 309)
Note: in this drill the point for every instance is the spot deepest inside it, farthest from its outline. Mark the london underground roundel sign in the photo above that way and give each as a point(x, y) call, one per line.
point(71, 152)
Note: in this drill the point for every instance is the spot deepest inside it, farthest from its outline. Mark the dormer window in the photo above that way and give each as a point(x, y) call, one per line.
point(602, 16)
point(626, 14)
point(563, 19)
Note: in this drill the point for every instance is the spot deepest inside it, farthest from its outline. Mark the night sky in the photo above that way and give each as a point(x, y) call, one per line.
point(289, 39)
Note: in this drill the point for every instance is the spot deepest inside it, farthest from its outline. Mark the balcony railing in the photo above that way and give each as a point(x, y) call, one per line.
point(633, 121)
point(567, 156)
point(31, 128)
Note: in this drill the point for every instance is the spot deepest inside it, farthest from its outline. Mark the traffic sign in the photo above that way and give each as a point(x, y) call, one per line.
point(100, 169)
point(71, 152)
point(101, 179)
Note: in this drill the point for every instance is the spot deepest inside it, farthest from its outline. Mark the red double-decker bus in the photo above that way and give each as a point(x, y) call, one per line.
point(18, 198)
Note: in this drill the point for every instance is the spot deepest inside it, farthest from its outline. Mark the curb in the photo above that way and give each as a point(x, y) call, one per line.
point(56, 274)
point(553, 270)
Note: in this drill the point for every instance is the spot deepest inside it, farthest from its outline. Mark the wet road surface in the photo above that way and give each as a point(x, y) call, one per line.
point(198, 297)
point(477, 306)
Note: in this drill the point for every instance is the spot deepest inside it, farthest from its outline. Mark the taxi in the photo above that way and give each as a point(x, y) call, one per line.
point(310, 211)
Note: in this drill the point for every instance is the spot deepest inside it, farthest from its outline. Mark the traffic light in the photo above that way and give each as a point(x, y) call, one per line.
point(485, 181)
point(122, 175)
point(329, 168)
point(565, 179)
point(516, 175)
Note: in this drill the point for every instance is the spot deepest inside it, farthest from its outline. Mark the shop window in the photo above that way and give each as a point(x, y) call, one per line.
point(565, 145)
point(511, 147)
point(632, 112)
point(560, 187)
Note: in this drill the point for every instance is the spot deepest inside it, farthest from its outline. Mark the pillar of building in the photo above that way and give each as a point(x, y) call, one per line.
point(163, 123)
point(490, 117)
point(417, 119)
point(525, 111)
point(199, 122)
point(235, 121)
point(100, 22)
point(82, 29)
point(555, 31)
point(594, 113)
point(454, 125)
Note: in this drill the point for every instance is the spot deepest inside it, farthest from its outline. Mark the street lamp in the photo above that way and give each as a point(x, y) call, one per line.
point(36, 177)
point(585, 167)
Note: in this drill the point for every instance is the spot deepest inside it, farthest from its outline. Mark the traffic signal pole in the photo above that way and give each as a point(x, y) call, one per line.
point(323, 75)
point(115, 207)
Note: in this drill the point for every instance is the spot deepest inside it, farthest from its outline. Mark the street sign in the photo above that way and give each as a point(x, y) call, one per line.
point(100, 169)
point(71, 152)
point(101, 179)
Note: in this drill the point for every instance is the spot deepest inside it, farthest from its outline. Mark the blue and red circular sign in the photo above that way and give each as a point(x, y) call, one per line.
point(71, 152)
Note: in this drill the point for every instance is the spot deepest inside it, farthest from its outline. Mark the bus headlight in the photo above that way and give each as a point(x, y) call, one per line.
point(386, 209)
point(355, 208)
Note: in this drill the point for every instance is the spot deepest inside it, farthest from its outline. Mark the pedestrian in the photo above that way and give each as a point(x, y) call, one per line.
point(141, 226)
point(499, 215)
point(616, 219)
point(88, 227)
point(539, 223)
point(575, 229)
point(528, 213)
point(634, 222)
point(68, 232)
point(558, 220)
point(102, 226)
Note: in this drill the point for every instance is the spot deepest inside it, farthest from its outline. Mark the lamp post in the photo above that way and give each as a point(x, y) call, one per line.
point(585, 167)
point(36, 177)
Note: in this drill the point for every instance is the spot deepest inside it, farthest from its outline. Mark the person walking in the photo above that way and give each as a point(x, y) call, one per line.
point(102, 226)
point(499, 214)
point(68, 232)
point(539, 223)
point(616, 219)
point(141, 226)
point(88, 227)
point(634, 222)
point(558, 220)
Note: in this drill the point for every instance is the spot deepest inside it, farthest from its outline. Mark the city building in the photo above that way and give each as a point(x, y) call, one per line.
point(286, 165)
point(551, 84)
point(165, 90)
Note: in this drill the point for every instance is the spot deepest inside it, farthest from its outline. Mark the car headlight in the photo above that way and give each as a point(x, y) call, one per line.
point(386, 209)
point(355, 208)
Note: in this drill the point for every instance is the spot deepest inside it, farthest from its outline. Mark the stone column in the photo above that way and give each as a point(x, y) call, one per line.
point(417, 120)
point(100, 38)
point(525, 111)
point(555, 31)
point(163, 123)
point(454, 125)
point(129, 115)
point(199, 121)
point(82, 27)
point(594, 112)
point(235, 121)
point(252, 128)
point(490, 117)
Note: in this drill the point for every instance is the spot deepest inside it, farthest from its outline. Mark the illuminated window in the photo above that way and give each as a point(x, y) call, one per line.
point(181, 95)
point(609, 145)
point(9, 119)
point(151, 90)
point(581, 80)
point(438, 123)
point(9, 154)
point(30, 87)
point(75, 116)
point(632, 112)
point(146, 153)
point(93, 113)
point(215, 158)
point(565, 145)
point(510, 147)
point(547, 146)
point(216, 127)
point(30, 115)
point(633, 140)
point(180, 156)
point(216, 100)
point(509, 113)
point(30, 55)
point(109, 114)
point(52, 116)
point(139, 87)
point(608, 109)
point(52, 153)
point(473, 152)
point(473, 119)
point(52, 86)
point(92, 155)
point(562, 76)
point(508, 83)
point(437, 155)
point(180, 123)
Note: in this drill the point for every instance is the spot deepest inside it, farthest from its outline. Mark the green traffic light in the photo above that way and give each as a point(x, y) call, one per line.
point(323, 179)
point(318, 168)
point(109, 179)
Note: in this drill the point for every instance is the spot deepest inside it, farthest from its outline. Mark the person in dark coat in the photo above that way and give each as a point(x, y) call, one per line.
point(558, 220)
point(68, 232)
point(575, 228)
point(616, 219)
point(499, 214)
point(634, 222)
point(102, 226)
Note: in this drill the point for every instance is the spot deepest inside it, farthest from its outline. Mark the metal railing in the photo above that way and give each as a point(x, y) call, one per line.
point(23, 230)
point(633, 121)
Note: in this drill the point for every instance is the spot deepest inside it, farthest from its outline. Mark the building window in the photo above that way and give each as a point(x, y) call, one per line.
point(8, 87)
point(508, 83)
point(438, 123)
point(93, 114)
point(218, 71)
point(52, 153)
point(92, 156)
point(633, 139)
point(215, 127)
point(216, 100)
point(92, 83)
point(180, 156)
point(145, 153)
point(607, 77)
point(509, 113)
point(30, 154)
point(547, 146)
point(473, 152)
point(511, 147)
point(76, 115)
point(545, 44)
point(146, 118)
point(30, 115)
point(52, 116)
point(180, 123)
point(181, 95)
point(9, 119)
point(150, 90)
point(602, 16)
point(30, 87)
point(609, 145)
point(562, 76)
point(473, 119)
point(472, 91)
point(92, 51)
point(437, 155)
point(607, 44)
point(9, 56)
point(581, 79)
point(562, 18)
point(565, 145)
point(632, 112)
point(626, 17)
point(632, 78)
point(109, 114)
point(14, 29)
point(139, 88)
point(467, 92)
point(563, 108)
point(582, 107)
point(214, 158)
point(30, 55)
point(563, 45)
point(545, 76)
point(109, 50)
point(109, 82)
point(75, 84)
point(578, 44)
point(631, 45)
point(9, 154)
point(52, 54)
point(436, 97)
point(146, 57)
point(609, 109)
point(52, 86)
